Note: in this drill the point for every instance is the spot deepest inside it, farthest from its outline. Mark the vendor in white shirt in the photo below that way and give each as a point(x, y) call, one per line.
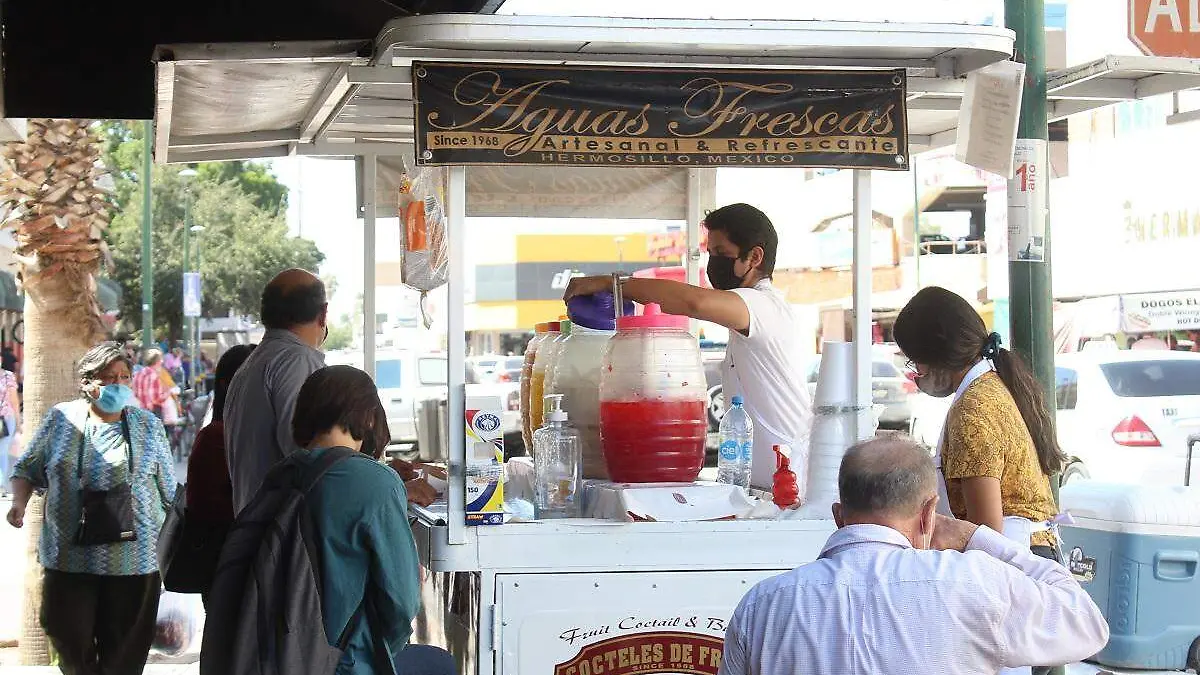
point(762, 360)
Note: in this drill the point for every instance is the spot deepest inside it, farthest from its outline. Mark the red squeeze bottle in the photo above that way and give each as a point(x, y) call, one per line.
point(786, 494)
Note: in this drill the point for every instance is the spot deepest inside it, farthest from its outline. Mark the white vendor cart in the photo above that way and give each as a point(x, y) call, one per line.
point(565, 597)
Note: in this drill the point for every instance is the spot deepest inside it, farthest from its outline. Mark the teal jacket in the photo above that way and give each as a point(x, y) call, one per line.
point(360, 511)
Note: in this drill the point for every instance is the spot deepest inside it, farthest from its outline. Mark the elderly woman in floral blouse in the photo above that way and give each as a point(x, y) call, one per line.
point(100, 596)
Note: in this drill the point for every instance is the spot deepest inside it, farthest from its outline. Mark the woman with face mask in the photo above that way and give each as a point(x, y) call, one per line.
point(998, 447)
point(109, 478)
point(762, 360)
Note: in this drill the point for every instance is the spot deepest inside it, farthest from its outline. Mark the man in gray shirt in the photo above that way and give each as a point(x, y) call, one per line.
point(262, 396)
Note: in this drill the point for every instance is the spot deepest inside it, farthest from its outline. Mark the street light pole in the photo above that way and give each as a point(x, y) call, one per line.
point(199, 230)
point(188, 322)
point(147, 239)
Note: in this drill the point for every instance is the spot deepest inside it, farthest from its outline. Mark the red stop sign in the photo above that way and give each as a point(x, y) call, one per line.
point(1165, 27)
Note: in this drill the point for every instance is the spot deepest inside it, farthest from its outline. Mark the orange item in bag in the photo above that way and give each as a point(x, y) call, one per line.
point(415, 230)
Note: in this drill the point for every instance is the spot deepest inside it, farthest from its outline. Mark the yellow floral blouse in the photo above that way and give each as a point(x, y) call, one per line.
point(986, 436)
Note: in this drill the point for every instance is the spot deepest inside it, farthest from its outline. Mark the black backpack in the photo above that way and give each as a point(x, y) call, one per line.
point(264, 610)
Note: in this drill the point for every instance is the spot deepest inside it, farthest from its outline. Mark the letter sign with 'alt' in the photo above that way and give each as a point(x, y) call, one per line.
point(1165, 27)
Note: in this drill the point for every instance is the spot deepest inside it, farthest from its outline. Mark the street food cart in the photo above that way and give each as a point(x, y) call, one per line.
point(583, 596)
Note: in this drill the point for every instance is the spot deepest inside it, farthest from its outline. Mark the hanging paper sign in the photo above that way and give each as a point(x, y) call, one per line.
point(478, 113)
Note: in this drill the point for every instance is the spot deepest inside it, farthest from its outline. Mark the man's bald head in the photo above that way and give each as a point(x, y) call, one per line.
point(294, 298)
point(889, 477)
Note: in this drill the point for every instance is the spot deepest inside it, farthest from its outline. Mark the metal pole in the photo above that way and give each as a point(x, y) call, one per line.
point(187, 255)
point(1030, 296)
point(864, 220)
point(147, 240)
point(456, 235)
point(916, 224)
point(369, 197)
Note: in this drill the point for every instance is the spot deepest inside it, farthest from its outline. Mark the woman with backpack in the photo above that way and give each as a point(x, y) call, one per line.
point(332, 516)
point(109, 477)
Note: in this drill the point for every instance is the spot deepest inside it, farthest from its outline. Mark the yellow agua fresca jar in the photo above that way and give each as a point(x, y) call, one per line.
point(537, 378)
point(540, 331)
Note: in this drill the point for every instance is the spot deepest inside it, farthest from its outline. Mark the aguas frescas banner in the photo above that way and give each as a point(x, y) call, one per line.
point(485, 113)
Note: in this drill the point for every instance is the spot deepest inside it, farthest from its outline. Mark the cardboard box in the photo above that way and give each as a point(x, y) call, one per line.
point(485, 460)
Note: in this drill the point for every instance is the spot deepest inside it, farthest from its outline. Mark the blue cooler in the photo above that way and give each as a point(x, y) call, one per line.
point(1136, 550)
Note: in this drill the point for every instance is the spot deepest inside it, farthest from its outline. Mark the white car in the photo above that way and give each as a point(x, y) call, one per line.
point(1122, 416)
point(406, 377)
point(1125, 416)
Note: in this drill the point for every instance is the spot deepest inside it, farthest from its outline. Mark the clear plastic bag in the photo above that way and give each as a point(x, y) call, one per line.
point(421, 205)
point(177, 629)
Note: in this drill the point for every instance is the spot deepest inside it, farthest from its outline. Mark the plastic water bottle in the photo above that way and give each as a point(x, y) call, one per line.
point(558, 464)
point(736, 446)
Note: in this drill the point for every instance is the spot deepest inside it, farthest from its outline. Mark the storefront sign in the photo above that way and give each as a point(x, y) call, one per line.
point(1152, 312)
point(473, 113)
point(684, 653)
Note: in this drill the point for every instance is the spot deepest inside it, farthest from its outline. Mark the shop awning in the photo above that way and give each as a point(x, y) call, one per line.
point(1117, 78)
point(238, 101)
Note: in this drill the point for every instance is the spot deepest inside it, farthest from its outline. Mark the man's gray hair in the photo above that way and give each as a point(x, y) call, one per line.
point(100, 357)
point(892, 475)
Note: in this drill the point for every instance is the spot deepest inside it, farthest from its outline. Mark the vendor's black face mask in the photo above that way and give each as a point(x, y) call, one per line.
point(721, 273)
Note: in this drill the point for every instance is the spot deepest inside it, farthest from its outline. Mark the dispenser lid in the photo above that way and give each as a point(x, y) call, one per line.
point(652, 317)
point(541, 327)
point(553, 327)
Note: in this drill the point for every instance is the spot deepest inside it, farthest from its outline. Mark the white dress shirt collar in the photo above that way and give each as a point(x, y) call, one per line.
point(857, 535)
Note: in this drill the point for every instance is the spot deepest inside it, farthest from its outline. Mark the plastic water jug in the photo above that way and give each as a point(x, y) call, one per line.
point(653, 400)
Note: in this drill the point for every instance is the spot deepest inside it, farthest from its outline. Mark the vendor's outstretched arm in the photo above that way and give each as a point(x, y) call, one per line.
point(724, 308)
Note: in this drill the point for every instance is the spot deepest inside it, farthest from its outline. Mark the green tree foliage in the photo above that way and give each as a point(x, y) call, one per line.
point(341, 335)
point(244, 243)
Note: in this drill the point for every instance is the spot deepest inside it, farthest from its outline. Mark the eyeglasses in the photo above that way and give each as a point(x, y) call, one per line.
point(123, 378)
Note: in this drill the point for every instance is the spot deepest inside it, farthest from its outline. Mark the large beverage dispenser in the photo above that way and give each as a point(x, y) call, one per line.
point(653, 400)
point(577, 372)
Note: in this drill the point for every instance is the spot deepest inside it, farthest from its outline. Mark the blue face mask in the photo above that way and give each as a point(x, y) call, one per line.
point(114, 398)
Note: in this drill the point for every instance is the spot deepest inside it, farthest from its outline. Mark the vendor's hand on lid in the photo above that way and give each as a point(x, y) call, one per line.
point(587, 286)
point(420, 492)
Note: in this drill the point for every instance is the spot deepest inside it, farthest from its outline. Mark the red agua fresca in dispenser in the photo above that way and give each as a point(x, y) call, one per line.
point(653, 400)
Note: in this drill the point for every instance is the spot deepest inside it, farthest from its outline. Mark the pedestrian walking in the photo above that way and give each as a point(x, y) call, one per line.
point(109, 479)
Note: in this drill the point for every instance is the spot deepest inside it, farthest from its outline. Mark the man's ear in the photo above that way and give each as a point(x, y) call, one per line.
point(928, 517)
point(324, 314)
point(837, 514)
point(755, 257)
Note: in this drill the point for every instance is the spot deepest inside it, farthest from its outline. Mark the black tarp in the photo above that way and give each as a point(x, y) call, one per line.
point(82, 58)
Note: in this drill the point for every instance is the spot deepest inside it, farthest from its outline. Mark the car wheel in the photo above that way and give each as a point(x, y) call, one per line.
point(1074, 470)
point(1193, 656)
point(716, 408)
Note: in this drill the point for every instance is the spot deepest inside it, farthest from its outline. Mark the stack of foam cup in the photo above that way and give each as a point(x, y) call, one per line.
point(832, 429)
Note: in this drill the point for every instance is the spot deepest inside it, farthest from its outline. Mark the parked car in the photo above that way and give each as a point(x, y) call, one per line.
point(889, 388)
point(406, 377)
point(1122, 416)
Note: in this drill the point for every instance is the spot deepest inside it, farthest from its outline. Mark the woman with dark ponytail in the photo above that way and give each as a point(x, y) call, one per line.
point(998, 447)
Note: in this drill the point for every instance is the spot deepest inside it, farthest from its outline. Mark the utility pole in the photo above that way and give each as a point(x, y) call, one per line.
point(1030, 296)
point(147, 240)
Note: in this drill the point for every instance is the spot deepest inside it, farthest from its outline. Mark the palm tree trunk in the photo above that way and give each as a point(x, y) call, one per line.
point(50, 197)
point(51, 353)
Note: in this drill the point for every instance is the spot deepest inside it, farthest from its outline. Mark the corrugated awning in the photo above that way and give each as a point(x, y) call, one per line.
point(265, 100)
point(1117, 78)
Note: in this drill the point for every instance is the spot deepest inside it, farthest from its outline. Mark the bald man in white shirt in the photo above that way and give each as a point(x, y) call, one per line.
point(900, 589)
